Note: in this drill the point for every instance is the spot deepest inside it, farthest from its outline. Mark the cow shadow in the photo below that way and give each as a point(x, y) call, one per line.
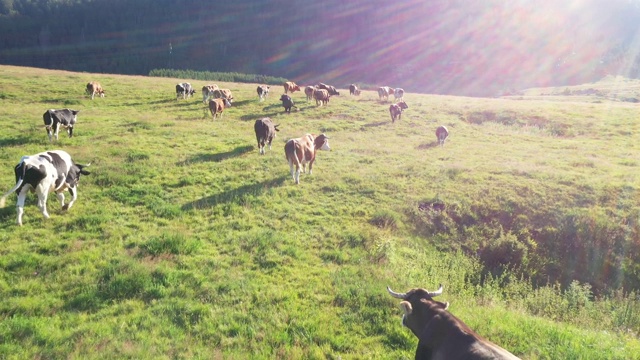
point(380, 123)
point(237, 195)
point(21, 140)
point(243, 102)
point(430, 145)
point(250, 117)
point(220, 156)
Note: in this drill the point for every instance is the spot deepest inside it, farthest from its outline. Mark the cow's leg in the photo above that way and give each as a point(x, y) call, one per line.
point(74, 195)
point(60, 197)
point(70, 131)
point(311, 166)
point(22, 196)
point(297, 178)
point(49, 132)
point(291, 169)
point(42, 193)
point(56, 127)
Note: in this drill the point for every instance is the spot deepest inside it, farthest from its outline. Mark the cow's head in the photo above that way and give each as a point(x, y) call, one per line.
point(403, 105)
point(321, 142)
point(419, 307)
point(74, 174)
point(285, 97)
point(227, 102)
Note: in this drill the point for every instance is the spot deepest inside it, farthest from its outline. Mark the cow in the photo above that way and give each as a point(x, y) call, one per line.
point(185, 90)
point(217, 106)
point(303, 150)
point(207, 92)
point(287, 103)
point(94, 88)
point(322, 97)
point(398, 94)
point(396, 110)
point(383, 93)
point(54, 119)
point(43, 173)
point(440, 334)
point(290, 87)
point(332, 90)
point(309, 92)
point(223, 94)
point(265, 132)
point(353, 90)
point(442, 134)
point(263, 92)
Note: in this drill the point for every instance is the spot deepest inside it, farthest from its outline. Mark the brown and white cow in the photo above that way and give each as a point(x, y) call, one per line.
point(290, 87)
point(301, 151)
point(94, 88)
point(265, 132)
point(331, 89)
point(383, 93)
point(263, 92)
point(49, 171)
point(207, 92)
point(442, 134)
point(398, 94)
point(395, 110)
point(223, 94)
point(309, 92)
point(440, 334)
point(217, 106)
point(322, 97)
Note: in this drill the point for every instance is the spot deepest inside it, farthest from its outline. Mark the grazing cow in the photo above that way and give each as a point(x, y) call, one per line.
point(265, 132)
point(353, 90)
point(94, 88)
point(322, 97)
point(263, 91)
point(332, 90)
point(54, 119)
point(398, 94)
point(43, 173)
point(440, 334)
point(207, 92)
point(396, 110)
point(290, 87)
point(442, 134)
point(287, 103)
point(217, 106)
point(185, 90)
point(383, 93)
point(309, 92)
point(223, 94)
point(303, 150)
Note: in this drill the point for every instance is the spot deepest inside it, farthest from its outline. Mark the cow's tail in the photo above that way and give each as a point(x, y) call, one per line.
point(4, 197)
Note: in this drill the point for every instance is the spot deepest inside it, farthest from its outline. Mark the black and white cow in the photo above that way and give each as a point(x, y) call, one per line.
point(185, 90)
point(43, 173)
point(54, 119)
point(265, 132)
point(263, 92)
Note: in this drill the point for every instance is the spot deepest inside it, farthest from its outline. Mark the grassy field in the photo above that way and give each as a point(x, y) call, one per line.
point(186, 243)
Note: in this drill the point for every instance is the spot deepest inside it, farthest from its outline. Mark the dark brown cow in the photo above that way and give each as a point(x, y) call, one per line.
point(94, 88)
point(309, 92)
point(322, 97)
point(217, 106)
point(442, 134)
point(290, 87)
point(287, 103)
point(265, 132)
point(396, 110)
point(440, 334)
point(303, 150)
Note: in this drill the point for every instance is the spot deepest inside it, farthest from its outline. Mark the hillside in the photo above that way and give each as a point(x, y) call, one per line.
point(186, 243)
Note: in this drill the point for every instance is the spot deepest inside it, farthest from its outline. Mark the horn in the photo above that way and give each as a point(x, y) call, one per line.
point(396, 295)
point(437, 292)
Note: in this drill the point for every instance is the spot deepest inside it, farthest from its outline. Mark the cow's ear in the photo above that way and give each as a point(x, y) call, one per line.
point(406, 307)
point(74, 112)
point(446, 305)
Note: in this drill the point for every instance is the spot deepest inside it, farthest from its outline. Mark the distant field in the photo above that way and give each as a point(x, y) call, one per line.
point(186, 243)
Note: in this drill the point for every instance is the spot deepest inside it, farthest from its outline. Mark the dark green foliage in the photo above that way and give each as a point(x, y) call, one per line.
point(217, 76)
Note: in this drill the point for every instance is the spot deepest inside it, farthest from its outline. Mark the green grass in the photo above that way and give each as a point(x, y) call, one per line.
point(186, 243)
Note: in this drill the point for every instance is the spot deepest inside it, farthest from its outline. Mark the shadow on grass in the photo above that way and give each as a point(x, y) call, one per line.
point(235, 195)
point(218, 157)
point(430, 145)
point(22, 140)
point(381, 123)
point(250, 117)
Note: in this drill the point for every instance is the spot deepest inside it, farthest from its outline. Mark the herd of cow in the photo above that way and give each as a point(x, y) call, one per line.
point(440, 334)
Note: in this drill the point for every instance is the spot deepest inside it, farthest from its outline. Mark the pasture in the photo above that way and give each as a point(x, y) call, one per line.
point(186, 243)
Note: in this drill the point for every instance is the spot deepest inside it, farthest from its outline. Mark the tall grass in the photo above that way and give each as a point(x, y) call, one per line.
point(186, 243)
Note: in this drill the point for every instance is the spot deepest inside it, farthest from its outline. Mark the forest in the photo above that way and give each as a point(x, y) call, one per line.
point(447, 47)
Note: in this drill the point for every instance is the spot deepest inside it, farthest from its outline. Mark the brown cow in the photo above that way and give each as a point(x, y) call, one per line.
point(223, 94)
point(309, 92)
point(265, 132)
point(442, 134)
point(440, 334)
point(217, 106)
point(302, 150)
point(94, 88)
point(322, 97)
point(290, 87)
point(396, 110)
point(207, 92)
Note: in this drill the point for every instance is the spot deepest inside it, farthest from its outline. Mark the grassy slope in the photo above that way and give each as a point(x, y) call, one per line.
point(186, 243)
